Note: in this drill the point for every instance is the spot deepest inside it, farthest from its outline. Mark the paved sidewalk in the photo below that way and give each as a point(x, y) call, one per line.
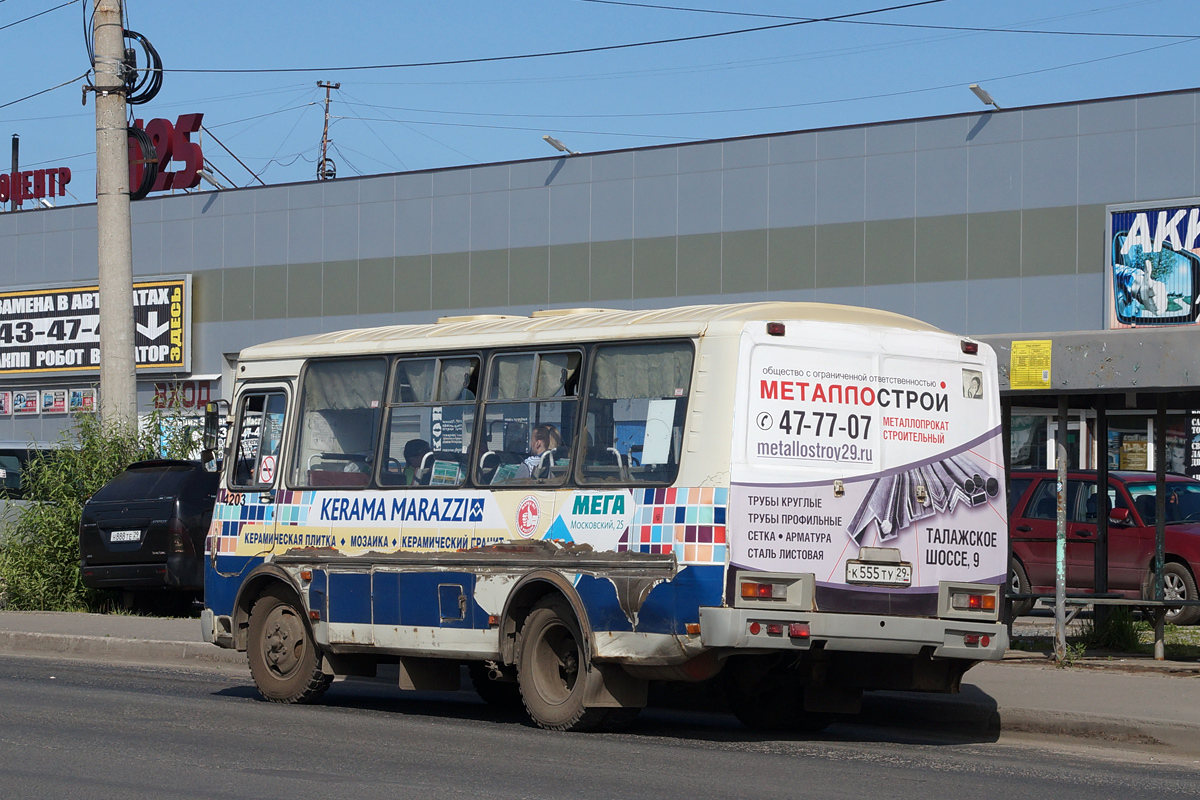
point(112, 637)
point(1124, 701)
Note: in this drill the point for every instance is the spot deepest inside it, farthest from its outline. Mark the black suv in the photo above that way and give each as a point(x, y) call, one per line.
point(144, 531)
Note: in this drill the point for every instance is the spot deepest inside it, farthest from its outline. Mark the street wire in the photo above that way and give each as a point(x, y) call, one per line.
point(548, 54)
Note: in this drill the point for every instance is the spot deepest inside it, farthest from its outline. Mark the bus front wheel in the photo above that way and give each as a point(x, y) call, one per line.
point(284, 660)
point(552, 669)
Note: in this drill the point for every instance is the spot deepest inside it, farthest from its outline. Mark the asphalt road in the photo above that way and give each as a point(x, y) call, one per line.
point(82, 729)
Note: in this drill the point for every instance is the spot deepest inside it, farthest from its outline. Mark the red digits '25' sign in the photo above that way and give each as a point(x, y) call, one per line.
point(172, 143)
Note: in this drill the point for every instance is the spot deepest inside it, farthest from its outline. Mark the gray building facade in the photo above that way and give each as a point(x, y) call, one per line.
point(985, 224)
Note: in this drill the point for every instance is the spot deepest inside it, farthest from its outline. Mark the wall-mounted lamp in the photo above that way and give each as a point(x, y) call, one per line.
point(983, 95)
point(559, 146)
point(207, 176)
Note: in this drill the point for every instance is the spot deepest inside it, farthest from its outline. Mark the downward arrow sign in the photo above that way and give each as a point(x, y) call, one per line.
point(152, 330)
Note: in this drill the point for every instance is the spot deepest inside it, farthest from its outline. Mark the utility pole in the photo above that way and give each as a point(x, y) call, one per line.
point(325, 167)
point(118, 383)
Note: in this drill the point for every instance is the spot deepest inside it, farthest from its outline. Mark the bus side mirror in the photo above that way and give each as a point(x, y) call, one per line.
point(211, 426)
point(1119, 516)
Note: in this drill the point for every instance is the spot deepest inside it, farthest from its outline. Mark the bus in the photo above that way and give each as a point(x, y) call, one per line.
point(797, 501)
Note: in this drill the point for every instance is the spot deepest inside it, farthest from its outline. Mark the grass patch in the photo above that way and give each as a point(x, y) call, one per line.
point(1116, 631)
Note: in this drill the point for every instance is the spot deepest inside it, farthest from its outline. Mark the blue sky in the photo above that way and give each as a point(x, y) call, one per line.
point(420, 117)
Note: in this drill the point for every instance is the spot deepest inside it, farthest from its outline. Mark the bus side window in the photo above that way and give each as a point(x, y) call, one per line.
point(259, 437)
point(636, 409)
point(430, 421)
point(340, 412)
point(529, 418)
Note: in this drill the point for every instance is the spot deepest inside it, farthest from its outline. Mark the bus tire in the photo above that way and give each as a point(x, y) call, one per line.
point(552, 669)
point(284, 660)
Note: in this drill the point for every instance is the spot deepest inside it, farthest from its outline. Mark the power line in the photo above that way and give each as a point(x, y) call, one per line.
point(552, 53)
point(519, 128)
point(386, 146)
point(746, 109)
point(786, 106)
point(875, 23)
point(40, 13)
point(260, 116)
point(235, 158)
point(43, 91)
point(692, 70)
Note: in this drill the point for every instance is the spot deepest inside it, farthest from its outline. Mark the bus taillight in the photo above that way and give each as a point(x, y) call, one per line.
point(765, 591)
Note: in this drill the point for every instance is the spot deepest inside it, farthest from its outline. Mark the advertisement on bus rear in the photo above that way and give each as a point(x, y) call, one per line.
point(874, 464)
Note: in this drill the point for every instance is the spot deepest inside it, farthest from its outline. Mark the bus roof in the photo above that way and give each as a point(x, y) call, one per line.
point(577, 323)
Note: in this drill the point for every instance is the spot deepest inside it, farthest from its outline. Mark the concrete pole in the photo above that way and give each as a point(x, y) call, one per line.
point(1060, 559)
point(118, 384)
point(1060, 537)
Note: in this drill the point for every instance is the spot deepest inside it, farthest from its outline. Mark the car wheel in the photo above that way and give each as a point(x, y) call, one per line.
point(552, 669)
point(1018, 583)
point(1178, 584)
point(284, 660)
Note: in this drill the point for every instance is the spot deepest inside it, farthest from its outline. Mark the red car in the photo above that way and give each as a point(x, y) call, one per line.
point(1032, 522)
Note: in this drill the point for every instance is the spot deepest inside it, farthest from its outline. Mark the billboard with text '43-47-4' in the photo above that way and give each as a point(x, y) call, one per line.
point(56, 329)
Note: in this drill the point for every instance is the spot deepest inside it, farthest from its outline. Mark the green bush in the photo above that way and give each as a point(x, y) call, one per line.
point(39, 558)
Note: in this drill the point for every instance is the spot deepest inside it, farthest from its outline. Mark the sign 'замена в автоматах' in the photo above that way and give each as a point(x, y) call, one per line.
point(57, 329)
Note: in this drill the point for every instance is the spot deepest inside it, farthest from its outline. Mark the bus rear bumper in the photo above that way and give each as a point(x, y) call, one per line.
point(865, 633)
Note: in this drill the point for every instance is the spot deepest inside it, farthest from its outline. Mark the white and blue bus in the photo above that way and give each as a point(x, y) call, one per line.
point(802, 501)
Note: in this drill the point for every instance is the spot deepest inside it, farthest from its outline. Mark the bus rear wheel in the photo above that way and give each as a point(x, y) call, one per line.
point(552, 669)
point(284, 660)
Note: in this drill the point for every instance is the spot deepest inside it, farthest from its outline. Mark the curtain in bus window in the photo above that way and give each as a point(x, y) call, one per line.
point(339, 422)
point(427, 435)
point(458, 379)
point(635, 413)
point(644, 371)
point(414, 381)
point(558, 374)
point(512, 376)
point(528, 437)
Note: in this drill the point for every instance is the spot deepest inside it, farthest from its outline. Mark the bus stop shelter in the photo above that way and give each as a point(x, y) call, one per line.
point(1116, 398)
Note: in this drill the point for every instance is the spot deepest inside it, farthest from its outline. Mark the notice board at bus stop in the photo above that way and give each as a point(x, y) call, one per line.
point(56, 329)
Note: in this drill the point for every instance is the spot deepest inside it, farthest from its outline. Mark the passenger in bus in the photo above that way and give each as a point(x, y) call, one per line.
point(470, 383)
point(542, 439)
point(414, 451)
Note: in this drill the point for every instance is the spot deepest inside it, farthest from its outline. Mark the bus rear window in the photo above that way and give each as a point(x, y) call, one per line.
point(636, 408)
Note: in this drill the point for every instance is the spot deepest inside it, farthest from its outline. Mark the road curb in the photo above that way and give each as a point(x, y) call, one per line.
point(977, 720)
point(108, 648)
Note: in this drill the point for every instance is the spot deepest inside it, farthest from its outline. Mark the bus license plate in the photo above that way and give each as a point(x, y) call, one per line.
point(871, 573)
point(125, 536)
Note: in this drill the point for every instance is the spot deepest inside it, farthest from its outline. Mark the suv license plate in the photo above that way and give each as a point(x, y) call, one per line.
point(871, 573)
point(125, 536)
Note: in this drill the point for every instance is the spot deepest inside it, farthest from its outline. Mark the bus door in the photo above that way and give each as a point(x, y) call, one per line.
point(252, 499)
